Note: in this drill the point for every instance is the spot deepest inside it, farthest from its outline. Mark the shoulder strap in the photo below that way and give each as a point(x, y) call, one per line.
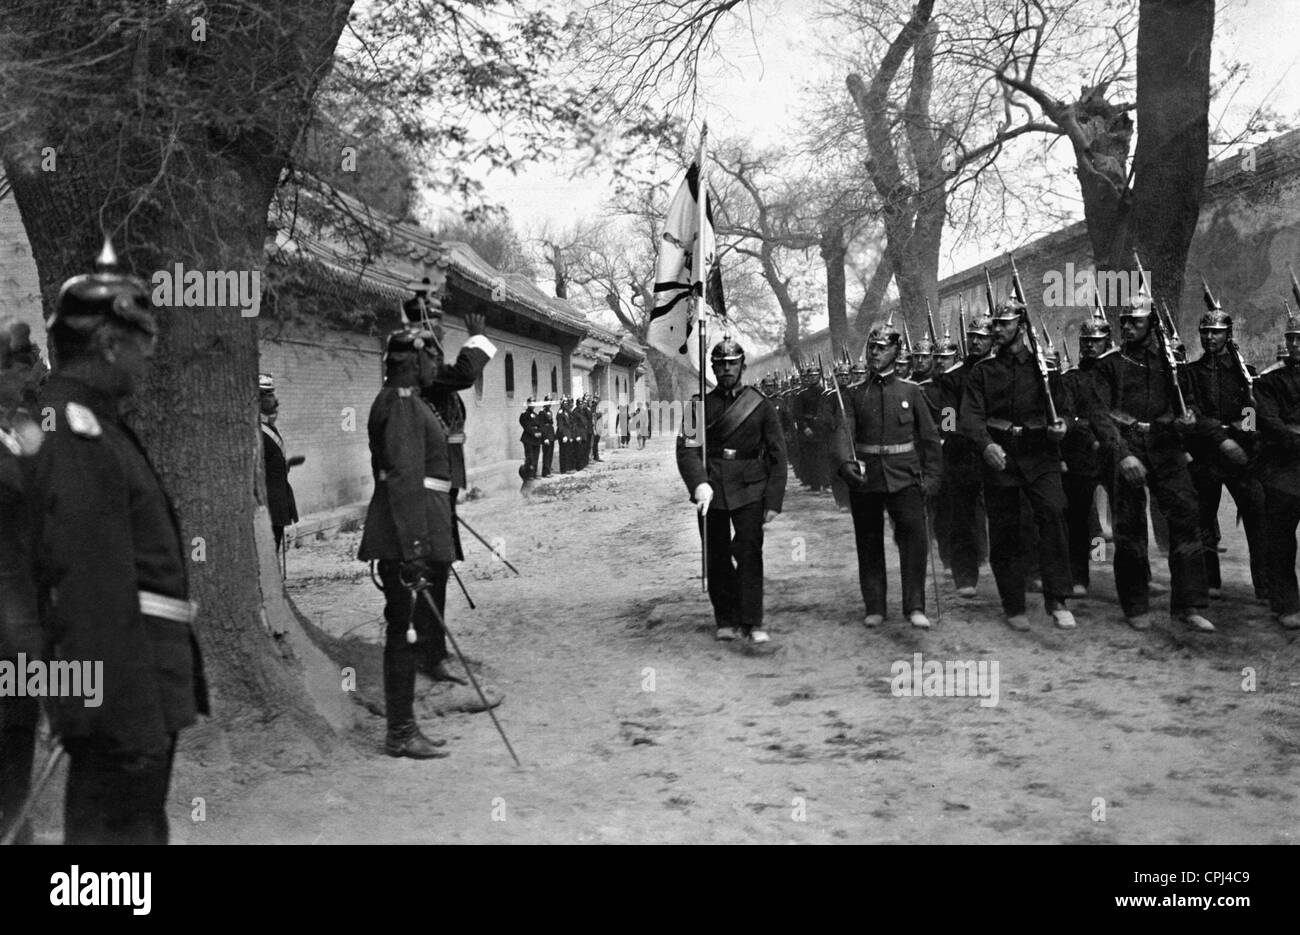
point(740, 410)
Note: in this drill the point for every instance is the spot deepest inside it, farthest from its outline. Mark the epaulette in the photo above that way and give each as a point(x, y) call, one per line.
point(1277, 365)
point(82, 421)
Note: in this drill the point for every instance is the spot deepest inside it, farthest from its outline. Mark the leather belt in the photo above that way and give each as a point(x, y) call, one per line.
point(456, 438)
point(175, 609)
point(885, 449)
point(1015, 431)
point(733, 454)
point(430, 483)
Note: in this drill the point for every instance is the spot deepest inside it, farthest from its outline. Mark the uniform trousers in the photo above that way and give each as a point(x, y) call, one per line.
point(1080, 496)
point(1175, 497)
point(1046, 499)
point(115, 798)
point(1282, 509)
point(963, 490)
point(1248, 495)
point(401, 657)
point(736, 565)
point(906, 510)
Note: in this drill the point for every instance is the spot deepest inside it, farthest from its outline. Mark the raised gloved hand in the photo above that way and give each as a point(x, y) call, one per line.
point(703, 497)
point(995, 457)
point(1132, 471)
point(475, 324)
point(1233, 452)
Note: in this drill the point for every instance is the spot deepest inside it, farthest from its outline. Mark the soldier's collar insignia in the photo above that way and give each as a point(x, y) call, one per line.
point(82, 421)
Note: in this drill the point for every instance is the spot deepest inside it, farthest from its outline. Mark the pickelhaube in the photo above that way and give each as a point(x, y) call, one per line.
point(266, 383)
point(1292, 324)
point(883, 332)
point(923, 348)
point(1008, 308)
point(1096, 325)
point(85, 301)
point(408, 340)
point(981, 325)
point(1140, 305)
point(1215, 318)
point(727, 349)
point(859, 367)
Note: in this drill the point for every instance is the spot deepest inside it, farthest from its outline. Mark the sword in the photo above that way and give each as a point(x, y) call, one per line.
point(490, 547)
point(424, 591)
point(37, 788)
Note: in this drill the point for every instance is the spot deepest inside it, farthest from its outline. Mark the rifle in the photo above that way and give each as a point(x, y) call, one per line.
point(1066, 363)
point(1170, 357)
point(988, 294)
point(1171, 329)
point(961, 326)
point(1034, 347)
point(1295, 288)
point(929, 318)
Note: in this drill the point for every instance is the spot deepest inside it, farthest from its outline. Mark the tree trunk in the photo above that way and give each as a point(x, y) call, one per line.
point(834, 251)
point(872, 298)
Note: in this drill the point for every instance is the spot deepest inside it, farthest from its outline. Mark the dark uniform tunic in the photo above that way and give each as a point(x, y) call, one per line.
point(1277, 399)
point(531, 439)
point(546, 422)
point(113, 586)
point(963, 485)
point(1134, 414)
point(889, 430)
point(409, 520)
point(747, 470)
point(1082, 453)
point(280, 501)
point(1005, 403)
point(1221, 396)
point(812, 434)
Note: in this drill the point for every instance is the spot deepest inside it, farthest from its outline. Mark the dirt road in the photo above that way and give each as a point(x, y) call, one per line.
point(635, 726)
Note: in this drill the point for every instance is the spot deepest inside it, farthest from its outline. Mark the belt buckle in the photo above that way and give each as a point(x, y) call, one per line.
point(1017, 431)
point(729, 454)
point(1142, 426)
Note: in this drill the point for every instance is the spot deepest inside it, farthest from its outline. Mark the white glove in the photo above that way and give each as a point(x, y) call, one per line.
point(703, 497)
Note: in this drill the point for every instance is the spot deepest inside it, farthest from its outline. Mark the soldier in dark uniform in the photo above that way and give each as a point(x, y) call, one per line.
point(1081, 449)
point(530, 437)
point(740, 488)
point(924, 372)
point(280, 501)
point(962, 462)
point(813, 434)
point(443, 393)
point(597, 420)
point(1005, 413)
point(1277, 398)
point(546, 422)
point(564, 432)
point(20, 438)
point(831, 421)
point(889, 455)
point(1136, 418)
point(110, 567)
point(408, 528)
point(1221, 395)
point(788, 393)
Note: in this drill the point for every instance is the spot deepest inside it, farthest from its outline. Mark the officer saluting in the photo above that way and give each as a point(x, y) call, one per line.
point(408, 524)
point(739, 487)
point(110, 567)
point(889, 455)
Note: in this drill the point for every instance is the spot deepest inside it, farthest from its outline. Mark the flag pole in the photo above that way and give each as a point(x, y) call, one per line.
point(702, 192)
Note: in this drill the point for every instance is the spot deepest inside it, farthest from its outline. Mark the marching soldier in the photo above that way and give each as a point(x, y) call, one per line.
point(831, 422)
point(20, 438)
point(408, 528)
point(280, 501)
point(1081, 449)
point(1221, 387)
point(1137, 418)
point(812, 432)
point(1005, 411)
point(889, 456)
point(110, 567)
point(962, 483)
point(738, 486)
point(1277, 395)
point(923, 375)
point(531, 438)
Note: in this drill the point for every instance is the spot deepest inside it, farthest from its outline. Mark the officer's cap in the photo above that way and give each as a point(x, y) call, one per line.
point(88, 300)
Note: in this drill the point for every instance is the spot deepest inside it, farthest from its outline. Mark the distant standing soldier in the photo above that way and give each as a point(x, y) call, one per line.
point(597, 420)
point(1136, 417)
point(1277, 395)
point(546, 421)
point(564, 433)
point(812, 432)
point(280, 501)
point(739, 487)
point(889, 455)
point(1222, 395)
point(1005, 412)
point(408, 528)
point(531, 438)
point(111, 569)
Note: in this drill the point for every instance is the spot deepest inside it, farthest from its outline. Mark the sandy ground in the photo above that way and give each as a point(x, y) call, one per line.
point(634, 725)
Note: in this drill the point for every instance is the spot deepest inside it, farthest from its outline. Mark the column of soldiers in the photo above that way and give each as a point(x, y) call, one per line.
point(1037, 442)
point(576, 426)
